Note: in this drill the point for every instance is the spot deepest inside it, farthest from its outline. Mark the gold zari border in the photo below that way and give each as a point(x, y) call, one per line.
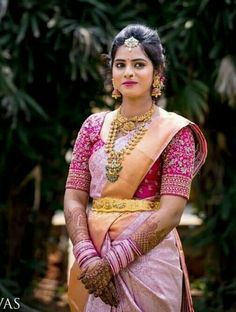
point(107, 204)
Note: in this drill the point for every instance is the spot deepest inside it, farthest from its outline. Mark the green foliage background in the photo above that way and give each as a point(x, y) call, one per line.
point(51, 78)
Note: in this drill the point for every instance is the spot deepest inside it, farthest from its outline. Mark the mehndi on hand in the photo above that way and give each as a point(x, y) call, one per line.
point(110, 295)
point(97, 276)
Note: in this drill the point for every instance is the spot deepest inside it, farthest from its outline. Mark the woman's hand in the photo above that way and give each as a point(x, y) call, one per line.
point(110, 295)
point(97, 276)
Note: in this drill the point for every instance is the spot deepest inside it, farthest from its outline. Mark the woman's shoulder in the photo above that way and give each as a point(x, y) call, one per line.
point(94, 120)
point(96, 117)
point(92, 125)
point(173, 116)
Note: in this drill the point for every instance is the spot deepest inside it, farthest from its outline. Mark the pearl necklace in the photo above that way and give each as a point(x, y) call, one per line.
point(115, 159)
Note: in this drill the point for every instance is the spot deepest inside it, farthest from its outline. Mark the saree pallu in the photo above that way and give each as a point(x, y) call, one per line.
point(158, 280)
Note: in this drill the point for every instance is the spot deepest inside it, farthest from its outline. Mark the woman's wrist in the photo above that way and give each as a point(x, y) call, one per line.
point(121, 254)
point(85, 253)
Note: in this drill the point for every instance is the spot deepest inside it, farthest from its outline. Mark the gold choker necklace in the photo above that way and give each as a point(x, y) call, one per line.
point(128, 124)
point(115, 159)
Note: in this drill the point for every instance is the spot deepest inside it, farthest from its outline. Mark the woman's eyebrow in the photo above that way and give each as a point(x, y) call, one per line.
point(133, 60)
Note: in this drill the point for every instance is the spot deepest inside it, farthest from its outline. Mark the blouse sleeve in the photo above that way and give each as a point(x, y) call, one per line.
point(79, 175)
point(178, 164)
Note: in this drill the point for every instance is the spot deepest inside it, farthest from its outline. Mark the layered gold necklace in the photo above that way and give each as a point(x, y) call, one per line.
point(124, 124)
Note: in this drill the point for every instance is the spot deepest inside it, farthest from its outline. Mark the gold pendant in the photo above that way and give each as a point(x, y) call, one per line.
point(128, 126)
point(113, 169)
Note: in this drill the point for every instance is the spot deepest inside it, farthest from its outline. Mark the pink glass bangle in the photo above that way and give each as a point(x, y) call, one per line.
point(121, 254)
point(85, 253)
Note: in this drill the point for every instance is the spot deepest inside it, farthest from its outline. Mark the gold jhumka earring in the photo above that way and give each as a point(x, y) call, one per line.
point(158, 85)
point(115, 93)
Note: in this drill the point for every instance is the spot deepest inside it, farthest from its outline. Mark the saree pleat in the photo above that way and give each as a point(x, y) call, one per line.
point(152, 283)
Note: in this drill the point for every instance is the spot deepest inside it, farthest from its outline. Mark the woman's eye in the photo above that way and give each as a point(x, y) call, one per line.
point(120, 65)
point(139, 65)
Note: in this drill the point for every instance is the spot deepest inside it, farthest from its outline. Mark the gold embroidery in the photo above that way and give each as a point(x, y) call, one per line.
point(107, 204)
point(78, 179)
point(176, 185)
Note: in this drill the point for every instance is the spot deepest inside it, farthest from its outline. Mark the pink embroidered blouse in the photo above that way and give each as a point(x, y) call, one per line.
point(171, 174)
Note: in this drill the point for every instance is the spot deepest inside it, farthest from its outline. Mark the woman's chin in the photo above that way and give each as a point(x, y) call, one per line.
point(134, 94)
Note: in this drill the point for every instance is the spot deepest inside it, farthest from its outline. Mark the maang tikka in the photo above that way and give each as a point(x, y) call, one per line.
point(158, 84)
point(131, 43)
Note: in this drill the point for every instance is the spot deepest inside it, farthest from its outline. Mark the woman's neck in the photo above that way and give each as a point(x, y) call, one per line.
point(135, 107)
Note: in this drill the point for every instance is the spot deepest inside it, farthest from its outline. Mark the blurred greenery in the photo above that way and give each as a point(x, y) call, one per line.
point(51, 77)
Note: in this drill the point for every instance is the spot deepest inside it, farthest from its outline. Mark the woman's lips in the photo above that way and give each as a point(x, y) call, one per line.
point(129, 83)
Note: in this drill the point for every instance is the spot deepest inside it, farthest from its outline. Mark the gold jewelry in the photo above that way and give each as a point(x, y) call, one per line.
point(131, 43)
point(128, 124)
point(115, 94)
point(115, 159)
point(107, 204)
point(157, 86)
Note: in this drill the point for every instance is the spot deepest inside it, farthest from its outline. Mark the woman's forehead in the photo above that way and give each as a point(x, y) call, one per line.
point(135, 53)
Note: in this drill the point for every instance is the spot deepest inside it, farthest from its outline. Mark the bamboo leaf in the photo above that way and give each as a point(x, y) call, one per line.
point(35, 27)
point(30, 102)
point(23, 27)
point(96, 4)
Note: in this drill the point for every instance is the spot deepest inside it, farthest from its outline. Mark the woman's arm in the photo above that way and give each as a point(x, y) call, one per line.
point(159, 224)
point(75, 203)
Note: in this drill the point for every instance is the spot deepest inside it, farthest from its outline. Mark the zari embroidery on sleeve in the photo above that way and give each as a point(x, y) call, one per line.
point(79, 175)
point(178, 164)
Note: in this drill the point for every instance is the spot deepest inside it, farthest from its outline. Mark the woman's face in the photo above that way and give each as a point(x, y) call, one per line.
point(132, 72)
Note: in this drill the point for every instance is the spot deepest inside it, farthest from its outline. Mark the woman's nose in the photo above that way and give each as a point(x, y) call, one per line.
point(129, 75)
point(128, 72)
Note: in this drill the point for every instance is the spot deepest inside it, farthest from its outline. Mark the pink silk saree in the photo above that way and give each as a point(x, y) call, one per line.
point(158, 280)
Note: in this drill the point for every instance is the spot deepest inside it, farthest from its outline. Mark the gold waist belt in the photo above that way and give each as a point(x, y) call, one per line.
point(107, 204)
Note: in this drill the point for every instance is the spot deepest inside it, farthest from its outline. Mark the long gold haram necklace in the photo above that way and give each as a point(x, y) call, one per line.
point(115, 159)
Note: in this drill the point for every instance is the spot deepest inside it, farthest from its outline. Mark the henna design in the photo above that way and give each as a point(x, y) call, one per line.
point(149, 235)
point(95, 279)
point(76, 223)
point(110, 295)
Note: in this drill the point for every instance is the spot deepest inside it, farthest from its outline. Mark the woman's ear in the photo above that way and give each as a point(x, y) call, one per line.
point(155, 73)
